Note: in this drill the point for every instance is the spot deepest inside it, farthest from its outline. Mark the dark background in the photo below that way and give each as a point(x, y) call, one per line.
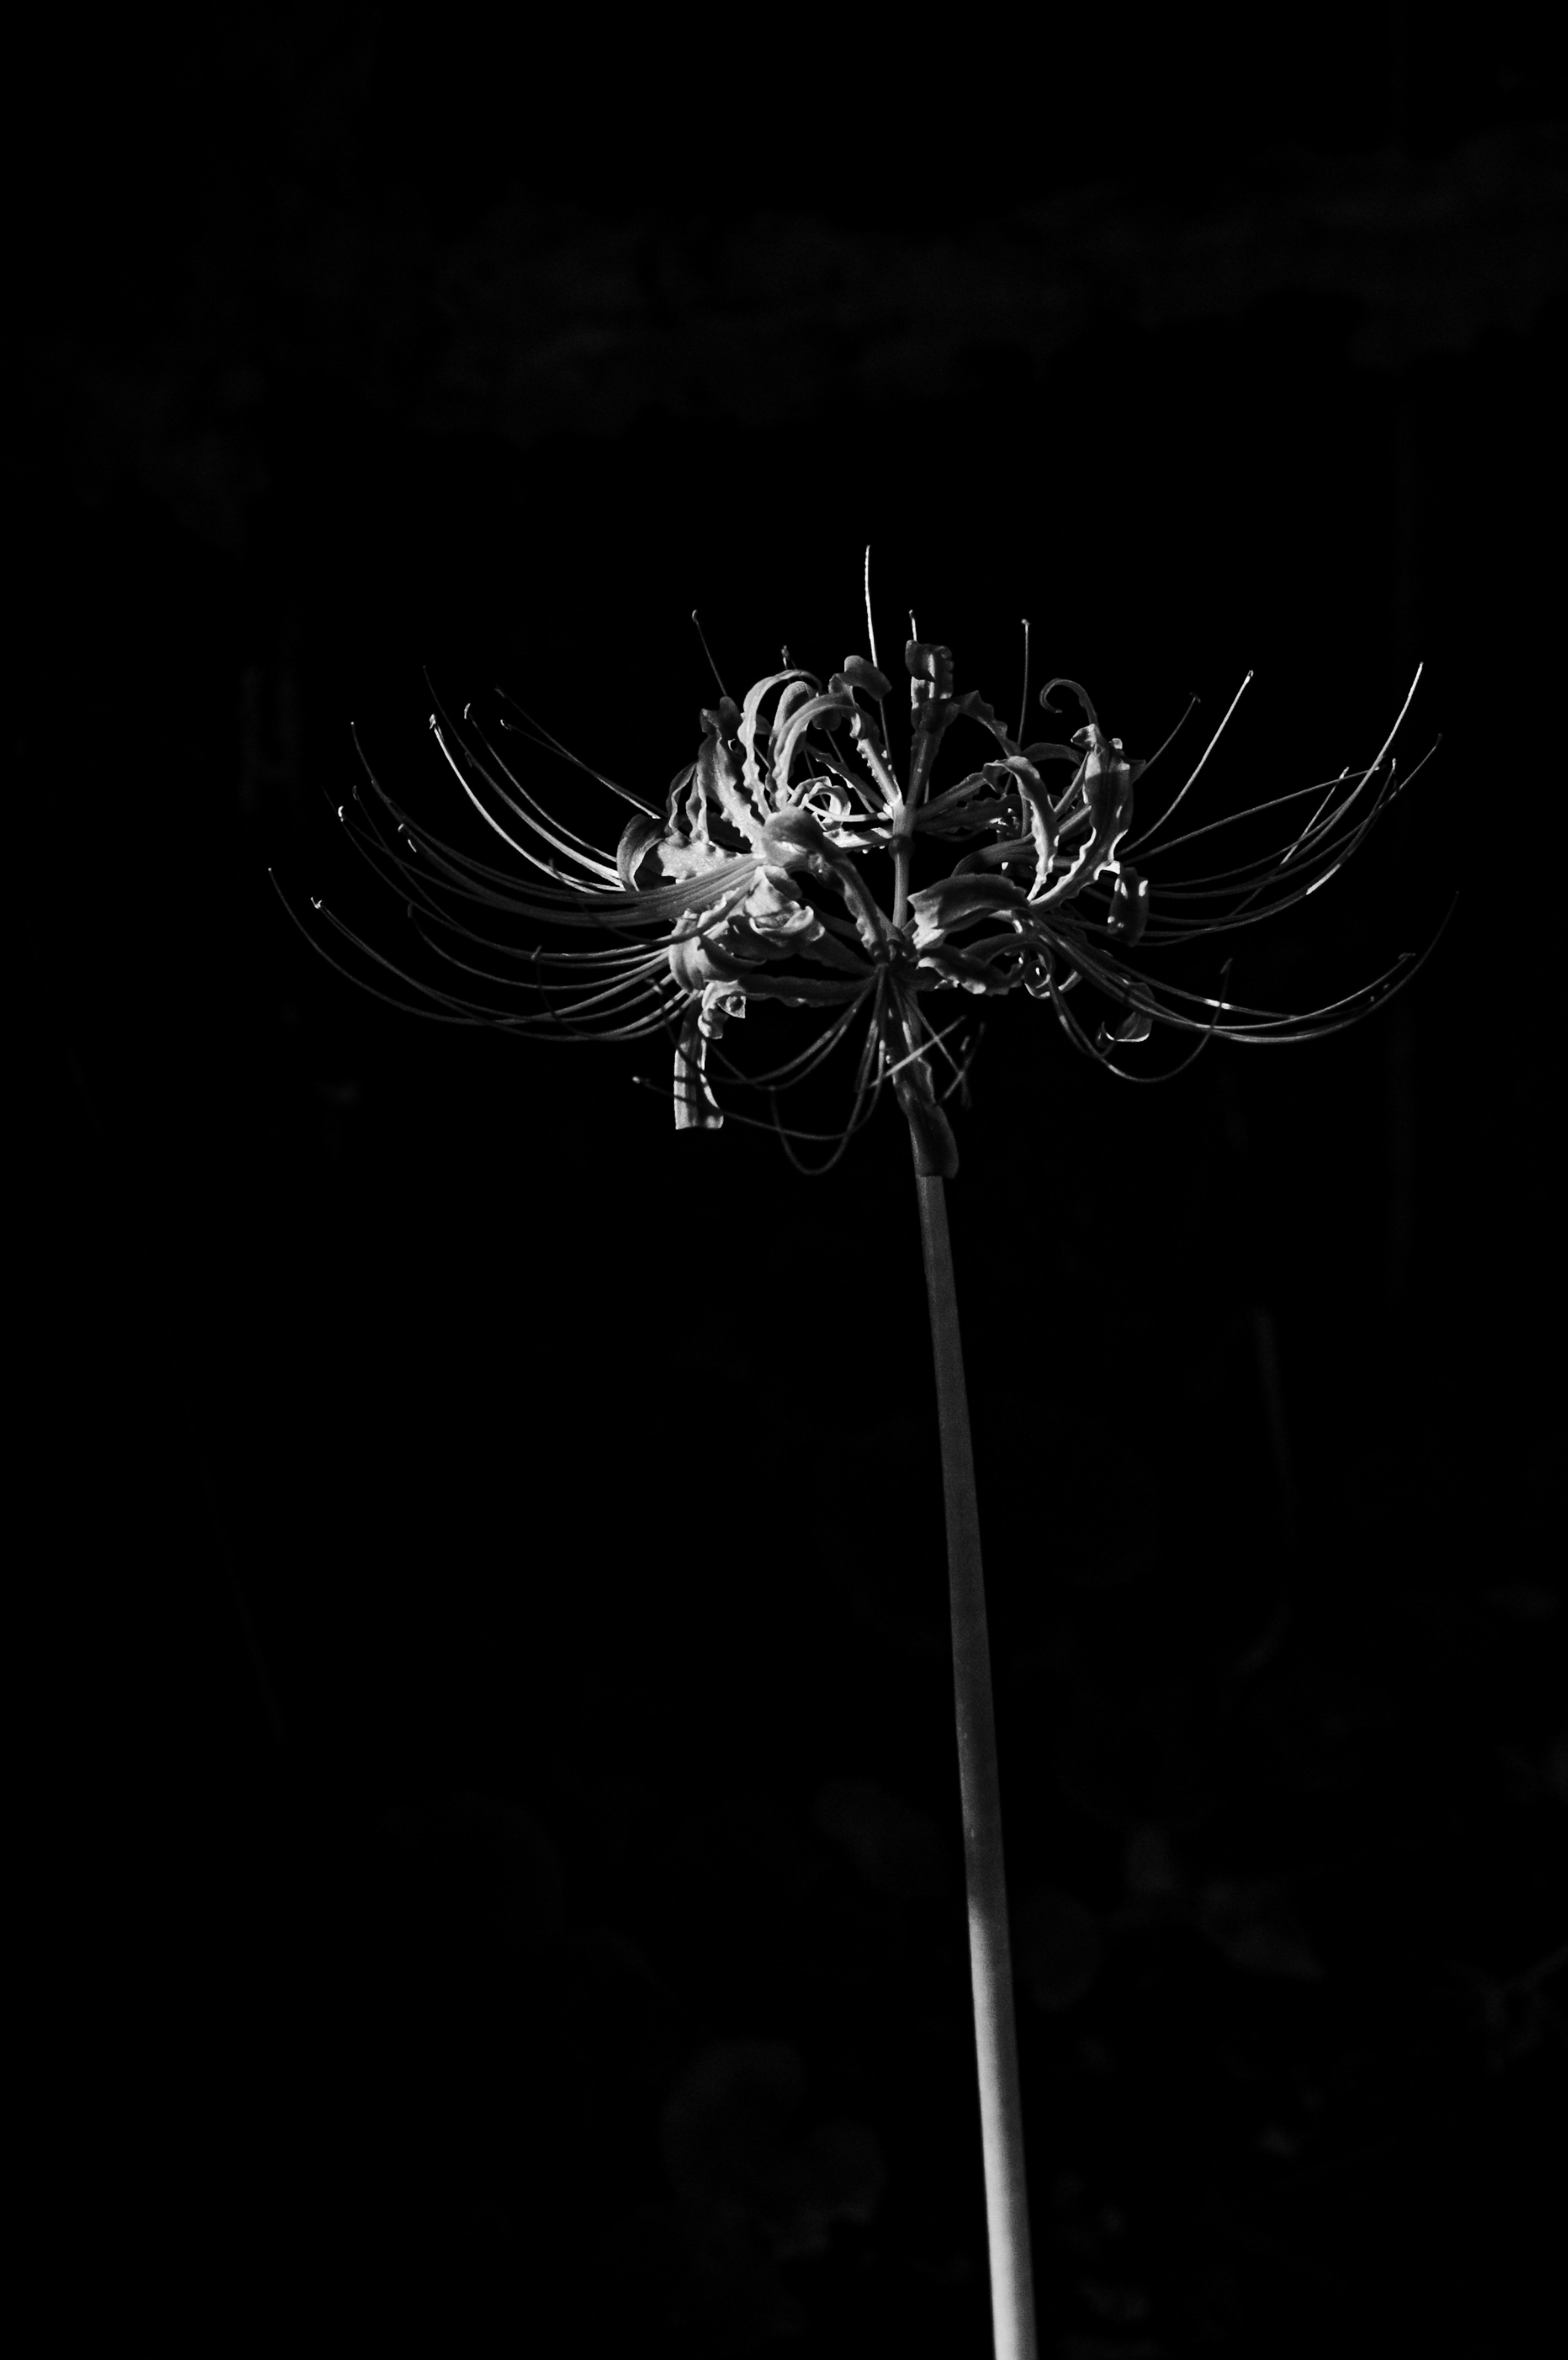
point(486, 1743)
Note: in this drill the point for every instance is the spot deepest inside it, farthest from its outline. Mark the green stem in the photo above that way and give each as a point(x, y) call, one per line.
point(990, 1959)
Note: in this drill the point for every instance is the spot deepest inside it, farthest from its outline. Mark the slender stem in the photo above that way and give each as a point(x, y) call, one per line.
point(990, 1959)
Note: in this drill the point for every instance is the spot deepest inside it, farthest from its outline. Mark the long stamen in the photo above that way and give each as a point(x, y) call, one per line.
point(549, 744)
point(805, 1061)
point(552, 745)
point(707, 650)
point(1168, 740)
point(1154, 829)
point(596, 865)
point(1262, 874)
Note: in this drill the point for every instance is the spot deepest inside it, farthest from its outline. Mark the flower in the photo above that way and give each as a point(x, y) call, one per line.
point(750, 883)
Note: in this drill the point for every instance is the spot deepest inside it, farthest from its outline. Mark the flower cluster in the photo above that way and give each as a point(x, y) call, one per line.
point(750, 882)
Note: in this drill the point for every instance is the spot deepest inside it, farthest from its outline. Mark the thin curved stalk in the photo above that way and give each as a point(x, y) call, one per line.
point(990, 1957)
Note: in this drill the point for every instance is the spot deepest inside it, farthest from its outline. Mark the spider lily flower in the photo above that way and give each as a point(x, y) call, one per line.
point(753, 881)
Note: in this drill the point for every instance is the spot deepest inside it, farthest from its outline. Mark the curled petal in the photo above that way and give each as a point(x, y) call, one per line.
point(1133, 1026)
point(1105, 782)
point(787, 737)
point(1129, 905)
point(719, 775)
point(696, 960)
point(1082, 693)
point(639, 834)
point(748, 724)
point(859, 673)
point(951, 966)
point(931, 670)
point(720, 1002)
point(939, 909)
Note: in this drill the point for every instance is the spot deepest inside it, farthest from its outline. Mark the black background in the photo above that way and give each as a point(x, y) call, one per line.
point(487, 1744)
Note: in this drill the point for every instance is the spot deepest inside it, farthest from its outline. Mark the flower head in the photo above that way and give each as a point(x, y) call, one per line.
point(753, 880)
